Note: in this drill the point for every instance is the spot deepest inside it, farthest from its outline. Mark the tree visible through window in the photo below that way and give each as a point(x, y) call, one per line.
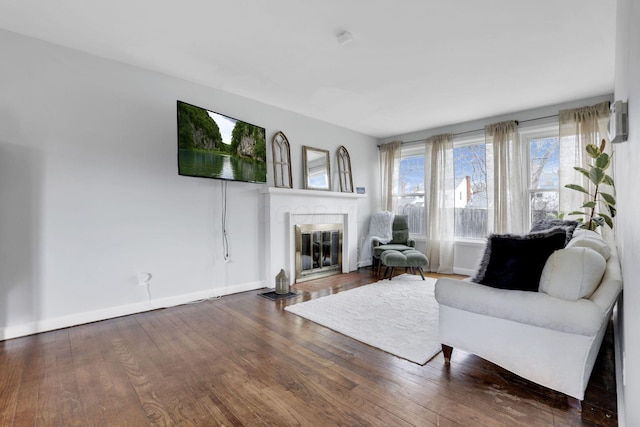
point(411, 189)
point(544, 165)
point(470, 169)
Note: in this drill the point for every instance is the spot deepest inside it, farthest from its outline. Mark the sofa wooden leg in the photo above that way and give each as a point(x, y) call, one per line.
point(447, 351)
point(574, 403)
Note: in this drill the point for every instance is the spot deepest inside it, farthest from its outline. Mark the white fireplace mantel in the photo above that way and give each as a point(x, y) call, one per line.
point(286, 207)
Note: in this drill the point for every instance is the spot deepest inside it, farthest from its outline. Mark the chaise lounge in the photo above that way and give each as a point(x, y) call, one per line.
point(550, 335)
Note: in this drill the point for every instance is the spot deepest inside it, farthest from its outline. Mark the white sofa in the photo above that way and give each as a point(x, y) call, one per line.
point(550, 337)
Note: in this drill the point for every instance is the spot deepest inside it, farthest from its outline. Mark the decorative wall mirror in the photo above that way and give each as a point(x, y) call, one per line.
point(317, 168)
point(281, 161)
point(344, 170)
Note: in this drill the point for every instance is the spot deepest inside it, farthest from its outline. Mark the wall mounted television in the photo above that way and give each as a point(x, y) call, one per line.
point(212, 145)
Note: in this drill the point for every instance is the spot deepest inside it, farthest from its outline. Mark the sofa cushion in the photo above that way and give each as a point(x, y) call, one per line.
point(572, 273)
point(590, 239)
point(513, 261)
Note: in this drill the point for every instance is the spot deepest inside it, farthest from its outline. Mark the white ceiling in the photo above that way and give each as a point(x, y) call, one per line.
point(412, 64)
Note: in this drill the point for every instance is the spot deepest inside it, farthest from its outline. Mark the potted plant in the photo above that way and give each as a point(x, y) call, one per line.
point(597, 200)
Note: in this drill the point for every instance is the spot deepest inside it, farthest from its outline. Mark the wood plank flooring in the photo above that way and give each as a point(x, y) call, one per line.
point(241, 360)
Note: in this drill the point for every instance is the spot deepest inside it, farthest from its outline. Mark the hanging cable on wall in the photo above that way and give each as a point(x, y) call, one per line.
point(225, 241)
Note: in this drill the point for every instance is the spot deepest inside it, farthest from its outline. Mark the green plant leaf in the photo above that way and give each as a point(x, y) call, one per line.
point(590, 204)
point(603, 161)
point(607, 219)
point(608, 198)
point(603, 144)
point(577, 188)
point(608, 180)
point(596, 175)
point(583, 171)
point(612, 210)
point(593, 150)
point(576, 213)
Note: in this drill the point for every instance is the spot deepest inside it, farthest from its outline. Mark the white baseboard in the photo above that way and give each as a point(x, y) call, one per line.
point(464, 271)
point(75, 319)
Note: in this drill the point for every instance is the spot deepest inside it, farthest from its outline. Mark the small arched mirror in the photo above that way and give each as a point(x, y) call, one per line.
point(317, 168)
point(281, 161)
point(344, 170)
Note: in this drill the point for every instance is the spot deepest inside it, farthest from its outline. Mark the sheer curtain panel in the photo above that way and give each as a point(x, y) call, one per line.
point(439, 203)
point(505, 178)
point(389, 167)
point(578, 128)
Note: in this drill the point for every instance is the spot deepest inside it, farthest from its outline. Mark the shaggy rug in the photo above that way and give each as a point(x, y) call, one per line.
point(399, 316)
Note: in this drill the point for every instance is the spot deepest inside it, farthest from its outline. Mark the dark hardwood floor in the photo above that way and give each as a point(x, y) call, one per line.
point(242, 360)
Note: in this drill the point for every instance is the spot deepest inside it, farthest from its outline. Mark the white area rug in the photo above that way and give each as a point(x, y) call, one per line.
point(399, 316)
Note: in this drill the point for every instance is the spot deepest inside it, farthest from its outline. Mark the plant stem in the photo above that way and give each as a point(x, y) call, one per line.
point(593, 209)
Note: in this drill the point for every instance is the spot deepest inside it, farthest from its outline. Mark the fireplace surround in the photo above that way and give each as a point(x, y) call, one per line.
point(285, 208)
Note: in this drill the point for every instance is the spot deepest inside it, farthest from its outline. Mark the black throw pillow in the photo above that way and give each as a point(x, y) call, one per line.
point(548, 224)
point(516, 262)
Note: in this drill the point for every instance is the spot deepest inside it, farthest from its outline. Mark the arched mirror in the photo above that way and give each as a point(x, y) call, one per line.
point(281, 161)
point(344, 170)
point(317, 168)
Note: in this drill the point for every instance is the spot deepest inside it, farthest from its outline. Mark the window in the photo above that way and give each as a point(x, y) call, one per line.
point(470, 201)
point(410, 191)
point(544, 167)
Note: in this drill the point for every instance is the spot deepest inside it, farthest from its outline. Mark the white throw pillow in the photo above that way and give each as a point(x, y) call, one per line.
point(590, 239)
point(572, 273)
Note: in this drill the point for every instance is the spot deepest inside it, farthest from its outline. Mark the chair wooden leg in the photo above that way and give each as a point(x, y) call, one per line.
point(391, 274)
point(447, 351)
point(421, 273)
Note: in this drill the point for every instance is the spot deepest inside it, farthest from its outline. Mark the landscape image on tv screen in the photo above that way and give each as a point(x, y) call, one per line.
point(213, 145)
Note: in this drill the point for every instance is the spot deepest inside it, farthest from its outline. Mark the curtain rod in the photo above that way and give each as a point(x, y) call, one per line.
point(478, 130)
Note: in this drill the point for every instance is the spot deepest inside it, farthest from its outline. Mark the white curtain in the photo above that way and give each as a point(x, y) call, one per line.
point(439, 203)
point(579, 127)
point(389, 168)
point(507, 206)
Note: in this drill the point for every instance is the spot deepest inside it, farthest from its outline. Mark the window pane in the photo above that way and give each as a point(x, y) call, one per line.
point(411, 192)
point(470, 191)
point(545, 163)
point(544, 166)
point(544, 204)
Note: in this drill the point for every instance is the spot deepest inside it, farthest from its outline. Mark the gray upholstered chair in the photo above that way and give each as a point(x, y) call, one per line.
point(400, 240)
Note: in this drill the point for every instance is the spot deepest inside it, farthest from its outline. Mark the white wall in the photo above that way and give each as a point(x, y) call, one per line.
point(626, 161)
point(90, 194)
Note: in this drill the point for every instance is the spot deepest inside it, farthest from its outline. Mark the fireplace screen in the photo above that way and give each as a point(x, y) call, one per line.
point(318, 250)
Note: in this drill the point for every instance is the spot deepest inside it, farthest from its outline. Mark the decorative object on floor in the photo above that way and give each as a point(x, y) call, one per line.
point(596, 200)
point(272, 295)
point(281, 161)
point(282, 283)
point(399, 316)
point(344, 170)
